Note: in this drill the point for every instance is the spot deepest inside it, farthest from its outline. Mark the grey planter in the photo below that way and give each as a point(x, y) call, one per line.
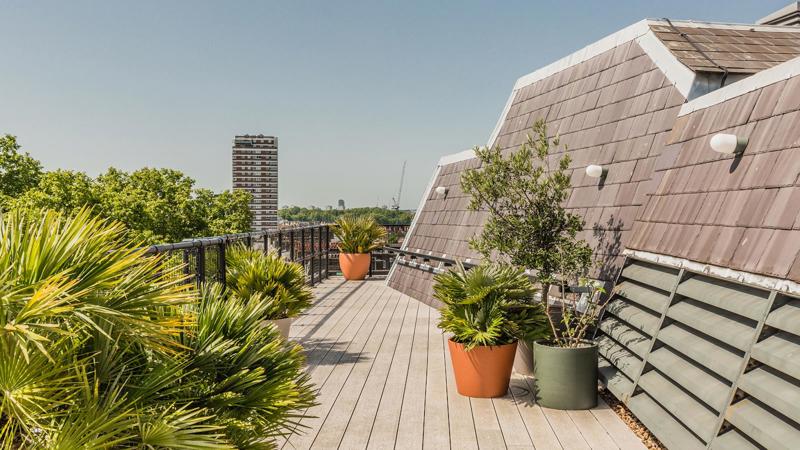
point(565, 378)
point(523, 361)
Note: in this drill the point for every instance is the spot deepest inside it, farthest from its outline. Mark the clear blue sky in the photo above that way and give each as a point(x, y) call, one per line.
point(351, 88)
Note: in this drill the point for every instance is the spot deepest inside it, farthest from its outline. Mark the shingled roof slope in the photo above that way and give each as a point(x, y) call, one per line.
point(615, 109)
point(613, 103)
point(738, 49)
point(735, 212)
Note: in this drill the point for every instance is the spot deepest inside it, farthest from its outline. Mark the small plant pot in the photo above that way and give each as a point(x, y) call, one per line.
point(484, 371)
point(355, 266)
point(565, 378)
point(283, 325)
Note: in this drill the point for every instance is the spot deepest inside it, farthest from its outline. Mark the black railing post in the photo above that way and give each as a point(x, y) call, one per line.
point(371, 263)
point(280, 243)
point(200, 264)
point(313, 255)
point(291, 245)
point(266, 243)
point(303, 247)
point(327, 250)
point(221, 261)
point(186, 268)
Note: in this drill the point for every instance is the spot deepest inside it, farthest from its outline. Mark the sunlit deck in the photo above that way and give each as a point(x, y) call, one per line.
point(385, 381)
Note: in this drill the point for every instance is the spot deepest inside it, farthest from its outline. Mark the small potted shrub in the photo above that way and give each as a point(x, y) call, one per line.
point(252, 272)
point(358, 236)
point(524, 193)
point(565, 365)
point(487, 309)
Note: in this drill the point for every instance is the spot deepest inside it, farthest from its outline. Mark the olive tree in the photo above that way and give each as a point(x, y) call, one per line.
point(524, 193)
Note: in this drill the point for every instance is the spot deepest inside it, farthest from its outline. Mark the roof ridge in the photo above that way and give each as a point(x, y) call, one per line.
point(728, 25)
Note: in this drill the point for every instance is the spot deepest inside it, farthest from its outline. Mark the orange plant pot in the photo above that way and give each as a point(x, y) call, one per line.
point(355, 266)
point(484, 371)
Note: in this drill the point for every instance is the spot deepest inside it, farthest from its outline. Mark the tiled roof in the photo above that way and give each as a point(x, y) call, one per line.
point(738, 49)
point(614, 109)
point(742, 213)
point(666, 192)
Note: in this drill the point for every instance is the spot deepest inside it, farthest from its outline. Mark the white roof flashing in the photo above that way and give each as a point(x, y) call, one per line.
point(681, 76)
point(759, 80)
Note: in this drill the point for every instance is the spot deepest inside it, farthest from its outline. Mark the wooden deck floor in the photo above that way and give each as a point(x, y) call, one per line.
point(385, 381)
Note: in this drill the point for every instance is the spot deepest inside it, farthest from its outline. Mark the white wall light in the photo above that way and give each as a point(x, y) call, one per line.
point(596, 171)
point(729, 144)
point(441, 191)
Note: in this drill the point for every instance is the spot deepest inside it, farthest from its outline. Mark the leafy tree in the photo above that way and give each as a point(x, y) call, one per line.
point(156, 205)
point(528, 225)
point(383, 216)
point(18, 171)
point(62, 190)
point(226, 212)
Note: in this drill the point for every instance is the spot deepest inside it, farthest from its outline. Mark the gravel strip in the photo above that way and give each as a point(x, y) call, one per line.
point(650, 441)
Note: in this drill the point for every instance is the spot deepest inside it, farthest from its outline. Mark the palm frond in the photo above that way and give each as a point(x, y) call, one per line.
point(488, 305)
point(253, 272)
point(359, 234)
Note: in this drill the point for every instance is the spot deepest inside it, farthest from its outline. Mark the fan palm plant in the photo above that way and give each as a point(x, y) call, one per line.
point(358, 237)
point(487, 309)
point(281, 282)
point(104, 347)
point(359, 234)
point(488, 305)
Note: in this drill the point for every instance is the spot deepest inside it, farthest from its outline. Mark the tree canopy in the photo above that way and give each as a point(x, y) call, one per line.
point(524, 193)
point(18, 171)
point(156, 205)
point(383, 216)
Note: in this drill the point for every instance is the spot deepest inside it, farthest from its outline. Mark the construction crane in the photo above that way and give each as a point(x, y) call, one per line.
point(396, 200)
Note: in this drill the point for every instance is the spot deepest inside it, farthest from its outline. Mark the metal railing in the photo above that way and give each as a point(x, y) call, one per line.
point(204, 258)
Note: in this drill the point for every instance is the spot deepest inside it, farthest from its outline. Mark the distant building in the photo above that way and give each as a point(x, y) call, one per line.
point(255, 169)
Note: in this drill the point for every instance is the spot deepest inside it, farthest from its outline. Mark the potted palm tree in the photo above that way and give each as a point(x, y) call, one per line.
point(486, 310)
point(358, 237)
point(528, 226)
point(283, 283)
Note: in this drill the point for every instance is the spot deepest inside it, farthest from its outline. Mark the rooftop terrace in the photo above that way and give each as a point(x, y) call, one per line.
point(385, 381)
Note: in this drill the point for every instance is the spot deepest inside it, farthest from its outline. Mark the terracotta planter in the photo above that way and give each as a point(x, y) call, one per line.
point(484, 371)
point(355, 266)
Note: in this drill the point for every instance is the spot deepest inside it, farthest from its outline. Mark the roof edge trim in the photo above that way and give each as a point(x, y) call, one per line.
point(726, 273)
point(499, 125)
point(605, 44)
point(756, 81)
point(456, 157)
point(422, 201)
point(682, 77)
point(688, 23)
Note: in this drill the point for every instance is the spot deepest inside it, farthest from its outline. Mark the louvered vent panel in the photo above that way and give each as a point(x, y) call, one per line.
point(703, 362)
point(768, 407)
point(632, 318)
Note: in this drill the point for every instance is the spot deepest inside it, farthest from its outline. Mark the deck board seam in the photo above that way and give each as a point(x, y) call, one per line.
point(366, 378)
point(360, 352)
point(386, 380)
